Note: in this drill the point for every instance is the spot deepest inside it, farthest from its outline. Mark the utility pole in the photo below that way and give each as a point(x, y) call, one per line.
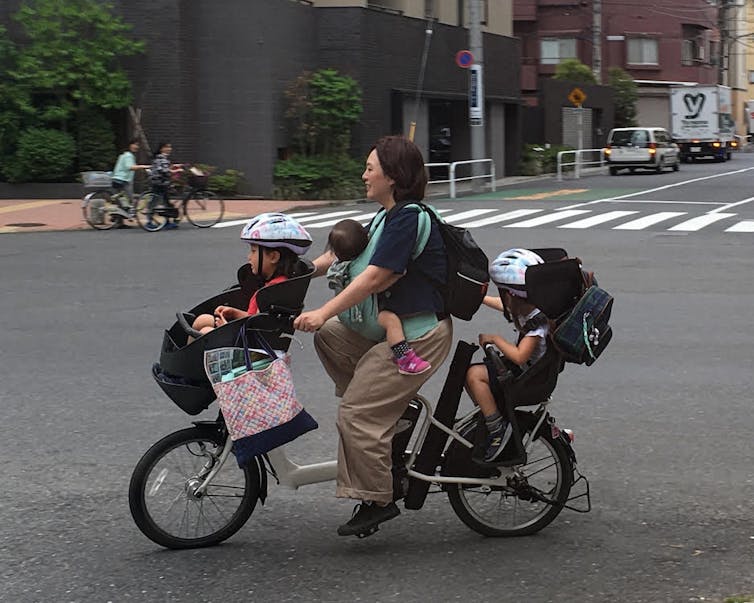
point(597, 40)
point(722, 26)
point(476, 90)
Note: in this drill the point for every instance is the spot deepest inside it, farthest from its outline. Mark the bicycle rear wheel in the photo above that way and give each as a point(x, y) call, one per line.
point(148, 214)
point(204, 209)
point(162, 495)
point(100, 211)
point(527, 502)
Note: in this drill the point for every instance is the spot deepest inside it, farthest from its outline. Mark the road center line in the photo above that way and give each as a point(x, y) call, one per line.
point(659, 188)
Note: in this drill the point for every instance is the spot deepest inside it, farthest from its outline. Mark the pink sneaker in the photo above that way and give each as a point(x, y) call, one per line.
point(411, 364)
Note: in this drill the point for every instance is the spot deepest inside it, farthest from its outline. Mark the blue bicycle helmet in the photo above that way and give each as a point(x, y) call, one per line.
point(508, 270)
point(277, 230)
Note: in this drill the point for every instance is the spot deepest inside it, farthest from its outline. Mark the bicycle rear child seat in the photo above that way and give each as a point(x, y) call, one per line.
point(180, 372)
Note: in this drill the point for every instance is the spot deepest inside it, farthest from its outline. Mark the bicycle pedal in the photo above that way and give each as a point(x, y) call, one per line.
point(368, 532)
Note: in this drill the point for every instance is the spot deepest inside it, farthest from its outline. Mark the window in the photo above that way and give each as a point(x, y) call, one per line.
point(642, 51)
point(553, 50)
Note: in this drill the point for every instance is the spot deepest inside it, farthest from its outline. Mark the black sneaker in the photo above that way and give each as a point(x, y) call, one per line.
point(366, 519)
point(497, 442)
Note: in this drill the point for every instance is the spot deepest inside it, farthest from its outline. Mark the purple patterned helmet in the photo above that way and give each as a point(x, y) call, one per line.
point(508, 270)
point(277, 230)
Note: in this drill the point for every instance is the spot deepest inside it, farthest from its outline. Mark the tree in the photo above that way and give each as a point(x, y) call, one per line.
point(574, 70)
point(323, 106)
point(625, 96)
point(69, 57)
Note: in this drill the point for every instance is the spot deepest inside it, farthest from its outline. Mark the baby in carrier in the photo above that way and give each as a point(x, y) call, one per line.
point(347, 240)
point(508, 272)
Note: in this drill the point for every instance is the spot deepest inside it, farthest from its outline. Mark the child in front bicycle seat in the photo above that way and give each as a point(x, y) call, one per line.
point(508, 273)
point(347, 240)
point(275, 243)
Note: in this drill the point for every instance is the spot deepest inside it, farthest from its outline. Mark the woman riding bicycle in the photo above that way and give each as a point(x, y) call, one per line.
point(374, 394)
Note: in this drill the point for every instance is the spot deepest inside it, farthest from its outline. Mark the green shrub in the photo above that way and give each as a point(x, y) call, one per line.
point(318, 177)
point(539, 159)
point(226, 183)
point(43, 155)
point(95, 141)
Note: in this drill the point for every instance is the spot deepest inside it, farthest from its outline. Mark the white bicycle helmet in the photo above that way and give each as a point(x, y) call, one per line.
point(508, 270)
point(277, 230)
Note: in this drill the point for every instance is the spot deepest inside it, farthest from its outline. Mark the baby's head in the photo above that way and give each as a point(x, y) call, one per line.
point(347, 239)
point(276, 240)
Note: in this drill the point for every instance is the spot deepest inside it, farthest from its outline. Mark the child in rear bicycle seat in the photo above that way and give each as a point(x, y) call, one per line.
point(508, 273)
point(275, 243)
point(347, 240)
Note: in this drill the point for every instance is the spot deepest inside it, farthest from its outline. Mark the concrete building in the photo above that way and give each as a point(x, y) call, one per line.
point(214, 75)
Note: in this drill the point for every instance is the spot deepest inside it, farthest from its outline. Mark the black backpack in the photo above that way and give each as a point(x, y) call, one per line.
point(468, 269)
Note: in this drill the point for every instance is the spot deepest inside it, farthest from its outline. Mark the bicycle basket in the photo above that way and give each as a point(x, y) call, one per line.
point(97, 179)
point(199, 181)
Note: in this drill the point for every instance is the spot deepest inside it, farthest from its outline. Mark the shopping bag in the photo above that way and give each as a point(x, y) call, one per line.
point(257, 398)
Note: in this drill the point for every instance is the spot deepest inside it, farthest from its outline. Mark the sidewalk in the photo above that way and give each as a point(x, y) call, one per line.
point(35, 215)
point(26, 215)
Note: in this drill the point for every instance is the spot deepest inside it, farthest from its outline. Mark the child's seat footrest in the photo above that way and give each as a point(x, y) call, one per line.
point(191, 397)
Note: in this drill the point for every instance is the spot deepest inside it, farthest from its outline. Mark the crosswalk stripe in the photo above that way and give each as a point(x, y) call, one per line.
point(468, 214)
point(333, 214)
point(511, 215)
point(600, 219)
point(743, 226)
point(646, 221)
point(553, 217)
point(700, 222)
point(230, 223)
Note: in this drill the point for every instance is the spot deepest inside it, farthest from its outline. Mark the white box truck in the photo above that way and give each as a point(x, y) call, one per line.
point(701, 122)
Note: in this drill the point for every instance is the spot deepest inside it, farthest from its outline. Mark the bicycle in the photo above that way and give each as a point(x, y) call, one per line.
point(200, 206)
point(107, 207)
point(187, 492)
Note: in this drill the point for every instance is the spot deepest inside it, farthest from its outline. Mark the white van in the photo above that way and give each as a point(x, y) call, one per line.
point(647, 148)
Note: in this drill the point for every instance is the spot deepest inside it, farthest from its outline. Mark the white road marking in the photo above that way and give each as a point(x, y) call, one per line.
point(468, 214)
point(700, 222)
point(599, 219)
point(554, 217)
point(511, 215)
point(729, 205)
point(363, 218)
point(642, 223)
point(744, 226)
point(659, 188)
point(333, 214)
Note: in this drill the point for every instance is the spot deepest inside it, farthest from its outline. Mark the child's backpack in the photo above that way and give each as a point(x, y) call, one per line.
point(468, 269)
point(578, 308)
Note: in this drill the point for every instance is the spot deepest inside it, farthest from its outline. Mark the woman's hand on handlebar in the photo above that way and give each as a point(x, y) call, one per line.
point(486, 339)
point(310, 321)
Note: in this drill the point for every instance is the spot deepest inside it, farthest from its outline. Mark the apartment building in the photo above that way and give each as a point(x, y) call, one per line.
point(658, 44)
point(214, 75)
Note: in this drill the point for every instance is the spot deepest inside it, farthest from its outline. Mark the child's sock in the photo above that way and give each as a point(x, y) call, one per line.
point(494, 423)
point(400, 349)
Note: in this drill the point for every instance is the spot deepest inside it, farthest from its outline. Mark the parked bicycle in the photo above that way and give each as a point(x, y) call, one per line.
point(200, 206)
point(188, 491)
point(106, 207)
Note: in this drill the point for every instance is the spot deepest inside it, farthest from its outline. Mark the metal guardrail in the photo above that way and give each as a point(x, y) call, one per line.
point(452, 179)
point(578, 161)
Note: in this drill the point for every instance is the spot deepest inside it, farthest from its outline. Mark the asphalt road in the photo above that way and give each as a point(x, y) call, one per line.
point(663, 427)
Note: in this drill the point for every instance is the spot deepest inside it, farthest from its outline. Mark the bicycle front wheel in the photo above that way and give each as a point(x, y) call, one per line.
point(163, 499)
point(204, 209)
point(528, 501)
point(100, 212)
point(150, 215)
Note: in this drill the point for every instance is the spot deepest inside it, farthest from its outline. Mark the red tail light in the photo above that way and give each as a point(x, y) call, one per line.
point(652, 146)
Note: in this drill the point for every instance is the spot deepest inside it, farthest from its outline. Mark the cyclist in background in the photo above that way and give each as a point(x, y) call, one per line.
point(159, 177)
point(125, 166)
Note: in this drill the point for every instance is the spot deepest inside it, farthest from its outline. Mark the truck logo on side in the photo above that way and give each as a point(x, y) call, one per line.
point(694, 104)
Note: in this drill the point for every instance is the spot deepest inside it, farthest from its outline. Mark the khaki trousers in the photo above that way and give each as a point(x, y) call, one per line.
point(374, 396)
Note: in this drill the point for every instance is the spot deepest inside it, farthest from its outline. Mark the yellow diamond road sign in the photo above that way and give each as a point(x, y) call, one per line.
point(577, 96)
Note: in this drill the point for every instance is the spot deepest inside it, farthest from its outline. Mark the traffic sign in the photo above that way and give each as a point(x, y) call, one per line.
point(464, 59)
point(577, 96)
